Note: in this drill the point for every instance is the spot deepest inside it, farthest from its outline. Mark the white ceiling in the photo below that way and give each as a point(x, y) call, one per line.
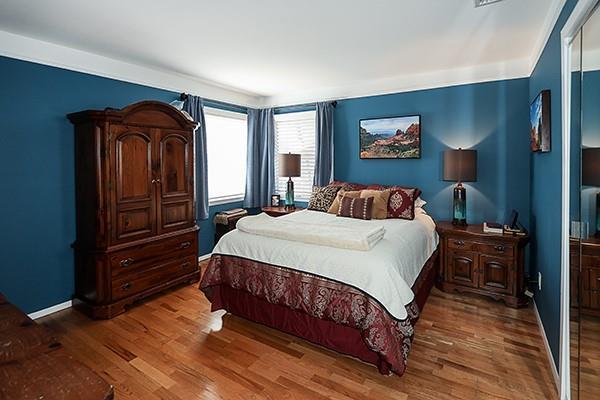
point(285, 52)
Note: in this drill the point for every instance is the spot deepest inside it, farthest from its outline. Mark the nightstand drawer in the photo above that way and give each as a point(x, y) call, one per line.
point(590, 261)
point(461, 244)
point(497, 249)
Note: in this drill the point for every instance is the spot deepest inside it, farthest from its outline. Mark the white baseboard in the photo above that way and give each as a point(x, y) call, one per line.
point(548, 351)
point(204, 257)
point(50, 310)
point(68, 304)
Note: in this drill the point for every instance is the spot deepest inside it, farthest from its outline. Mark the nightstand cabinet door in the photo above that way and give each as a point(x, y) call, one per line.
point(462, 268)
point(496, 274)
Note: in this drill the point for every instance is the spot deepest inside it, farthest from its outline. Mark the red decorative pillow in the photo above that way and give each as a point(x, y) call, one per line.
point(356, 207)
point(347, 186)
point(402, 202)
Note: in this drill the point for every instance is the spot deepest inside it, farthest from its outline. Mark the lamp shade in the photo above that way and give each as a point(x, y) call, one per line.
point(460, 165)
point(289, 165)
point(590, 166)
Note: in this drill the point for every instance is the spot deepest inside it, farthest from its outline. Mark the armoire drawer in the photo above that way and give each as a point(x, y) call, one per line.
point(128, 285)
point(143, 257)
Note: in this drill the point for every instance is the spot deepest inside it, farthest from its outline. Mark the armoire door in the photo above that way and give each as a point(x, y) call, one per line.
point(175, 180)
point(130, 185)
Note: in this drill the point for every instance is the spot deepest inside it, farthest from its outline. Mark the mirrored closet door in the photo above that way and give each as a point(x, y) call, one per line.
point(585, 212)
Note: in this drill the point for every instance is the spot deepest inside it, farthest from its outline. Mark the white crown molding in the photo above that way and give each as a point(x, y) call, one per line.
point(50, 310)
point(591, 60)
point(551, 19)
point(38, 51)
point(407, 83)
point(42, 52)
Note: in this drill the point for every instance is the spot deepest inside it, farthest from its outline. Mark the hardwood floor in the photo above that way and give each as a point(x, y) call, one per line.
point(172, 347)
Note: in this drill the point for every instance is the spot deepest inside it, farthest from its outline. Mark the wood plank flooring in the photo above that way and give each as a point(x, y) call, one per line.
point(172, 347)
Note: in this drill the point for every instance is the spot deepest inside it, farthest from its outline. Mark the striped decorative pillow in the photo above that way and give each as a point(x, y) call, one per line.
point(356, 207)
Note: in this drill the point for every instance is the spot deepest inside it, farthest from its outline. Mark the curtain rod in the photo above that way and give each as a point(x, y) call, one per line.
point(184, 96)
point(334, 103)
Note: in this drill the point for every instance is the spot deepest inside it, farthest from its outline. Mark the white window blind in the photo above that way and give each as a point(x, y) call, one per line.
point(295, 133)
point(226, 142)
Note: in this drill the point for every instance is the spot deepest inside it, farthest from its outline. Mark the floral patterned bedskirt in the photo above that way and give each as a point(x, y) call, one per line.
point(324, 299)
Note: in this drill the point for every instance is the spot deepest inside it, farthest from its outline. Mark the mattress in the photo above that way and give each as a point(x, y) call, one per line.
point(386, 272)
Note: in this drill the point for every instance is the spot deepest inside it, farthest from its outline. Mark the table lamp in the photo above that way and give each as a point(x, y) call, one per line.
point(460, 166)
point(590, 176)
point(289, 165)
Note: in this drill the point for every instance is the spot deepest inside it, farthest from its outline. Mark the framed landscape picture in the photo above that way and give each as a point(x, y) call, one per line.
point(390, 137)
point(539, 115)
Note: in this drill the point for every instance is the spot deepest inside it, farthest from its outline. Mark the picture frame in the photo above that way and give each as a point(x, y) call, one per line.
point(275, 200)
point(540, 133)
point(396, 137)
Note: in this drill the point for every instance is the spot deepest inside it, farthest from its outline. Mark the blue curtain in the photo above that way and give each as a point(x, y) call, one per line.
point(194, 106)
point(324, 144)
point(260, 160)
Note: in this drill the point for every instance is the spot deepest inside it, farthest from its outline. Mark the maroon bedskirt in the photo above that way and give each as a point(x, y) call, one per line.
point(342, 338)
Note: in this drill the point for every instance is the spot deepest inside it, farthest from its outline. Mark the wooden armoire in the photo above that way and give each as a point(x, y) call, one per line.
point(136, 227)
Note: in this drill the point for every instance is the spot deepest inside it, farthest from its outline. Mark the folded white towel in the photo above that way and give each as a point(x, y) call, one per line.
point(348, 234)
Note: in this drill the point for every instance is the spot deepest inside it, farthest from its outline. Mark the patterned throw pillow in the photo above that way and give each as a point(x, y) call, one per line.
point(336, 203)
point(360, 208)
point(348, 186)
point(322, 197)
point(380, 202)
point(402, 202)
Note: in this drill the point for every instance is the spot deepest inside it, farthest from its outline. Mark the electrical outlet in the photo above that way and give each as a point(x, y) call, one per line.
point(540, 281)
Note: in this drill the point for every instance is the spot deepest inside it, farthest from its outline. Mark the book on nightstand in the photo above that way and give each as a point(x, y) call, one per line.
point(492, 227)
point(520, 231)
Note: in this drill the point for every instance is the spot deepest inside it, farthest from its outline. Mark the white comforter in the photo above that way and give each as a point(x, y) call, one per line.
point(344, 233)
point(386, 272)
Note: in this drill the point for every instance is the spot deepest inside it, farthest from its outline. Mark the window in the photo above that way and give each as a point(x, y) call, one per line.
point(295, 133)
point(226, 142)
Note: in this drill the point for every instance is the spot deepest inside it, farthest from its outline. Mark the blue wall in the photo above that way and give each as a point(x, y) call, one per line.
point(546, 188)
point(491, 117)
point(37, 225)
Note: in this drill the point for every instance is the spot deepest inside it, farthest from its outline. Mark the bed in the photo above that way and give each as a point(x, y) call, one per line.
point(360, 303)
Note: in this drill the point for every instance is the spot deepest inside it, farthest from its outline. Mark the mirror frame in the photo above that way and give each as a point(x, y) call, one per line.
point(575, 22)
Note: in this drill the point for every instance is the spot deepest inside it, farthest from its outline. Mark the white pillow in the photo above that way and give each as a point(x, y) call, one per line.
point(419, 202)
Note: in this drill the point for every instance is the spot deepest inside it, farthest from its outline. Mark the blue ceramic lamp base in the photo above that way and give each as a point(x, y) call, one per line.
point(289, 195)
point(459, 213)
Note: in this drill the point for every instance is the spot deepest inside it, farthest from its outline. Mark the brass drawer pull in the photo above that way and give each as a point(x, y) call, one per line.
point(126, 286)
point(185, 245)
point(126, 262)
point(459, 243)
point(499, 248)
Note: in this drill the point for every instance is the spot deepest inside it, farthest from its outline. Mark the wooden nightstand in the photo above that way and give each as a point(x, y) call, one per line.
point(588, 280)
point(279, 211)
point(483, 263)
point(222, 227)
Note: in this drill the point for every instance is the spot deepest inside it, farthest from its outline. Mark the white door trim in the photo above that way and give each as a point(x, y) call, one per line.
point(580, 14)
